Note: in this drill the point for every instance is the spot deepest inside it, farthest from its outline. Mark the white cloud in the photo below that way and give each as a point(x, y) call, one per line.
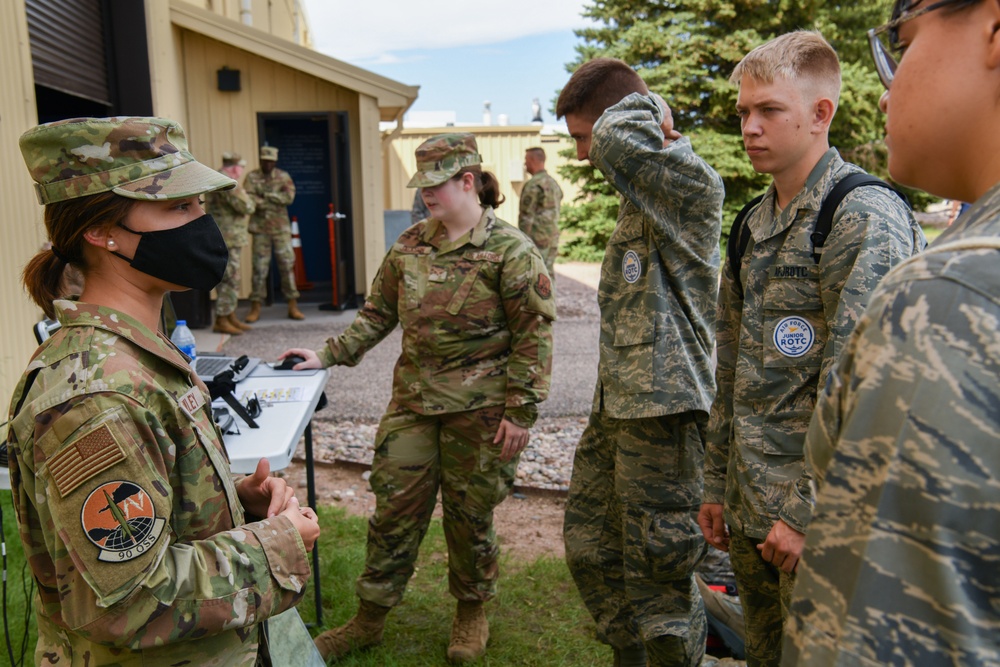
point(369, 31)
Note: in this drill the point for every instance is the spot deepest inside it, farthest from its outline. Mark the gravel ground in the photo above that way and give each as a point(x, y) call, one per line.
point(345, 430)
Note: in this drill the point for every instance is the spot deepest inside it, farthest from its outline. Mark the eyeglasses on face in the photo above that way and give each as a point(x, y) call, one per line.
point(885, 55)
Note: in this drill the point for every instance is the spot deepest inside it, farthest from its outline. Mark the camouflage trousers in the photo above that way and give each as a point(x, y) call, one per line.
point(765, 594)
point(228, 291)
point(281, 241)
point(415, 456)
point(632, 539)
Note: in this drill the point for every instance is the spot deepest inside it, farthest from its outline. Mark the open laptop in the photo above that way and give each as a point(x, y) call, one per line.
point(208, 366)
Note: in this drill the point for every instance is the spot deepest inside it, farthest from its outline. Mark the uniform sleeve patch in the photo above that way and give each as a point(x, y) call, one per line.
point(93, 453)
point(543, 286)
point(120, 520)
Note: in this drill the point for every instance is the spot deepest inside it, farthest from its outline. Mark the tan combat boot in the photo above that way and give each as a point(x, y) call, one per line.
point(254, 313)
point(223, 325)
point(469, 632)
point(293, 311)
point(236, 323)
point(362, 631)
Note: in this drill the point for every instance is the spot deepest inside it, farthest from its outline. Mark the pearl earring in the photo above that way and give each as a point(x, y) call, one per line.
point(111, 243)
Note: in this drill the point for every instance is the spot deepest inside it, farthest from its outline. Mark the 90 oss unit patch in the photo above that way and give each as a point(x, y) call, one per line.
point(119, 518)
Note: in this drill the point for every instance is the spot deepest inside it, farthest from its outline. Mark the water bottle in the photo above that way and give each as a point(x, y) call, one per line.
point(184, 339)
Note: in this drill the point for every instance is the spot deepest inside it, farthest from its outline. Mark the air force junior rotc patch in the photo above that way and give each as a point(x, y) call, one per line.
point(119, 518)
point(793, 336)
point(631, 266)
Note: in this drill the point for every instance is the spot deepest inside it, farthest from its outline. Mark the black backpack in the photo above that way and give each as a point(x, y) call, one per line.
point(739, 234)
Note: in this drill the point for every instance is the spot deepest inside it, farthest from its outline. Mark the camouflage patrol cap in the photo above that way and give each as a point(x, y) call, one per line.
point(138, 158)
point(269, 153)
point(441, 157)
point(232, 157)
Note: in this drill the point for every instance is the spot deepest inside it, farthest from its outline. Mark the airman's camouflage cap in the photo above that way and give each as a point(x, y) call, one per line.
point(138, 158)
point(441, 157)
point(269, 153)
point(232, 157)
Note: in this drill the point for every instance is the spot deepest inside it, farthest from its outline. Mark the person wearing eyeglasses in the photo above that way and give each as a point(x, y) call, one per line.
point(784, 312)
point(902, 562)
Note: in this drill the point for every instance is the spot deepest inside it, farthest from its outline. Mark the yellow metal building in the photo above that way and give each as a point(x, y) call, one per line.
point(167, 60)
point(502, 148)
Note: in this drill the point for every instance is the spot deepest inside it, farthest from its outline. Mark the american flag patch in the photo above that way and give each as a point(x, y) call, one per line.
point(93, 453)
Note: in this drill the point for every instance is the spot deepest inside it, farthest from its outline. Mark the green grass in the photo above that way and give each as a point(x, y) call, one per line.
point(18, 580)
point(536, 619)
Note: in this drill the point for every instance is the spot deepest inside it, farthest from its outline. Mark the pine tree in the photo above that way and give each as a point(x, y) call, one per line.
point(685, 50)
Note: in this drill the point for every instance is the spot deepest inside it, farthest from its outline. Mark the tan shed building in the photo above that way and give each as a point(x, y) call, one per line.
point(237, 74)
point(502, 148)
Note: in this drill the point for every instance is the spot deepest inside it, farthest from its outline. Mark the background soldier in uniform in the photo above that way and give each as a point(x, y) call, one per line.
point(632, 543)
point(783, 320)
point(900, 564)
point(538, 214)
point(476, 308)
point(135, 530)
point(419, 211)
point(231, 210)
point(272, 191)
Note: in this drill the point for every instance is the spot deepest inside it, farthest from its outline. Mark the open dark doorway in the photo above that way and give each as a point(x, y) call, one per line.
point(314, 149)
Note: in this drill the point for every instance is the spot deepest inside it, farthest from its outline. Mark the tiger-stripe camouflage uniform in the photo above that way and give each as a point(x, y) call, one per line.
point(231, 210)
point(632, 542)
point(774, 346)
point(127, 510)
point(901, 560)
point(476, 315)
point(269, 224)
point(538, 216)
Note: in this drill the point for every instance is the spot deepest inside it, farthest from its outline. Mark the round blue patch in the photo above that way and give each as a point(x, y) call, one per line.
point(631, 266)
point(794, 336)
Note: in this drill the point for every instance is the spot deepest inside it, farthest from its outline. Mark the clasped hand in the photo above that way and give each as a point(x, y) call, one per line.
point(266, 496)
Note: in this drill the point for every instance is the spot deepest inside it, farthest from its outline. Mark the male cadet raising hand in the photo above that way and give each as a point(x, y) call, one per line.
point(632, 542)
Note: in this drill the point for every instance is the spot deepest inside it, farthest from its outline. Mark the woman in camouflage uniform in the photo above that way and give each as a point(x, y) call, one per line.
point(132, 523)
point(475, 303)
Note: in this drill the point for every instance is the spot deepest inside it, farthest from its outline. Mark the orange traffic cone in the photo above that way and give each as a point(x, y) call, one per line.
point(301, 281)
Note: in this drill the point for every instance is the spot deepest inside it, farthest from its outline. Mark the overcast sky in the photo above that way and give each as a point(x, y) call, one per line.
point(460, 52)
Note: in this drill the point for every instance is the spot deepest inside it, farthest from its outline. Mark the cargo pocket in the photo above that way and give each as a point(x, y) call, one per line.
point(463, 291)
point(783, 437)
point(674, 544)
point(795, 331)
point(633, 345)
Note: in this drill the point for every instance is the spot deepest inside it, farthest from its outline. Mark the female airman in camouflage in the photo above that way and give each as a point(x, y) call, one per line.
point(475, 303)
point(135, 530)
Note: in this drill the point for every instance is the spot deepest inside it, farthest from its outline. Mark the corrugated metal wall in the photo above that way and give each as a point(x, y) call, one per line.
point(223, 121)
point(21, 224)
point(502, 149)
point(74, 66)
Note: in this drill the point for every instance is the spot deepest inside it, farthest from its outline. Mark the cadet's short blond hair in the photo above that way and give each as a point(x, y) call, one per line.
point(798, 55)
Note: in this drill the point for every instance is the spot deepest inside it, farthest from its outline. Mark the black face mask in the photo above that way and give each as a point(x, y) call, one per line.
point(193, 255)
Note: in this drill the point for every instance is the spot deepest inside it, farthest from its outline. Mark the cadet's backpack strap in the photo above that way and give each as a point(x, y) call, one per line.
point(739, 239)
point(824, 222)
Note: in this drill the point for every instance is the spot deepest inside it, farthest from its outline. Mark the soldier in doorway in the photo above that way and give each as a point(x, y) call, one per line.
point(231, 210)
point(272, 191)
